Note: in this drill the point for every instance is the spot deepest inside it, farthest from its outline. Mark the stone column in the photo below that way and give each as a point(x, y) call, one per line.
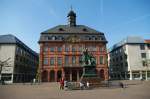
point(70, 75)
point(55, 75)
point(48, 77)
point(78, 78)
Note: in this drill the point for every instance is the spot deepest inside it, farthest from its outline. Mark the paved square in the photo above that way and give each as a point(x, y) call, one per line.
point(135, 90)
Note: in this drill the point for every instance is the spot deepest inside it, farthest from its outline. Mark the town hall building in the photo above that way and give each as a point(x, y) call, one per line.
point(61, 50)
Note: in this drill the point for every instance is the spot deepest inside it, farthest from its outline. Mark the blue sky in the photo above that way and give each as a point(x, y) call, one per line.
point(26, 19)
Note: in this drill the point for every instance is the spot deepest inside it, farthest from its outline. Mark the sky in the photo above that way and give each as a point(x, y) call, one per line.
point(26, 19)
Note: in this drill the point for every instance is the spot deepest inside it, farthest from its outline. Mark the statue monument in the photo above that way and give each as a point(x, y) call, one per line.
point(89, 67)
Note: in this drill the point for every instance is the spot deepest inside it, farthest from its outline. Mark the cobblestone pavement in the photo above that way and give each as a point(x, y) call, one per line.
point(134, 90)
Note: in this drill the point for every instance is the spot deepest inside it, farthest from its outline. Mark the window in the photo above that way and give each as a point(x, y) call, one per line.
point(120, 50)
point(148, 46)
point(45, 61)
point(80, 48)
point(45, 49)
point(52, 49)
point(49, 38)
point(59, 61)
point(143, 55)
point(94, 48)
point(67, 49)
point(73, 49)
point(84, 29)
point(52, 61)
point(80, 59)
point(93, 37)
point(73, 59)
point(54, 38)
point(91, 48)
point(101, 60)
point(59, 49)
point(100, 49)
point(144, 63)
point(116, 59)
point(142, 47)
point(121, 58)
point(126, 64)
point(66, 59)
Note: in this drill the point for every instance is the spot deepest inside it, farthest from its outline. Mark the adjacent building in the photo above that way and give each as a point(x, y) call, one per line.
point(130, 59)
point(18, 63)
point(61, 51)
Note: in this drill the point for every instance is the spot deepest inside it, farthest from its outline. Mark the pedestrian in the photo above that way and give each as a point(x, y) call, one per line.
point(65, 84)
point(87, 84)
point(81, 86)
point(121, 85)
point(34, 81)
point(61, 82)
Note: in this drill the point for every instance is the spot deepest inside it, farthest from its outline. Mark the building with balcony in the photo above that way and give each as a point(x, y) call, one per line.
point(61, 50)
point(130, 59)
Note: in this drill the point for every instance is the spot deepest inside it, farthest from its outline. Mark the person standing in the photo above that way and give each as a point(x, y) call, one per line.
point(65, 84)
point(81, 86)
point(87, 84)
point(61, 84)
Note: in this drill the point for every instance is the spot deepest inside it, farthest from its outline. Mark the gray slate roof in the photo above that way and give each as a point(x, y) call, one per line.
point(128, 40)
point(72, 29)
point(64, 31)
point(11, 39)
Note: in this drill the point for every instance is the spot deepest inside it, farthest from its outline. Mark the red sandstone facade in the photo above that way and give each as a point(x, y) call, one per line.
point(61, 48)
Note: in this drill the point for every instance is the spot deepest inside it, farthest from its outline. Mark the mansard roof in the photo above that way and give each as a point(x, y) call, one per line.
point(74, 29)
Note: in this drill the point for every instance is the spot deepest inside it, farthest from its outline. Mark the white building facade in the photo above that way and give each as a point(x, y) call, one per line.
point(129, 59)
point(18, 63)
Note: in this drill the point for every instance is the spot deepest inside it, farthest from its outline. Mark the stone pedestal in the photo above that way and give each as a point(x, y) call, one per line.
point(90, 75)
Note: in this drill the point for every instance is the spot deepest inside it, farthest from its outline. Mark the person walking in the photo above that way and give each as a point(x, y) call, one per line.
point(61, 84)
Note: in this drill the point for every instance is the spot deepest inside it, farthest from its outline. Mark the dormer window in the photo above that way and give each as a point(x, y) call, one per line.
point(60, 38)
point(54, 38)
point(61, 29)
point(84, 29)
point(93, 37)
point(49, 38)
point(89, 38)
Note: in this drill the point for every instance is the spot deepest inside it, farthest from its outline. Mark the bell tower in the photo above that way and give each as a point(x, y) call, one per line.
point(71, 18)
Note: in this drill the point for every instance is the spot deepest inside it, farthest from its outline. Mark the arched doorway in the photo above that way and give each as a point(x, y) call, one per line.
point(102, 74)
point(52, 76)
point(44, 76)
point(59, 75)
